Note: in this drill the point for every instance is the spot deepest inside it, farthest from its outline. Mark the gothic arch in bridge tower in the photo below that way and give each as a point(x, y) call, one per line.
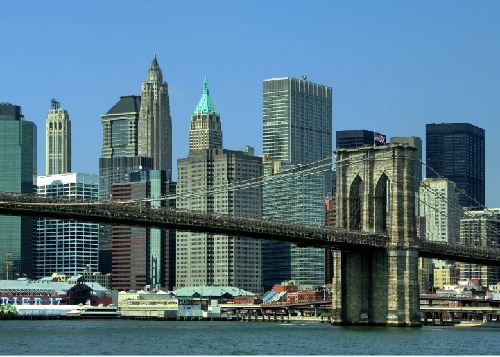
point(381, 199)
point(355, 206)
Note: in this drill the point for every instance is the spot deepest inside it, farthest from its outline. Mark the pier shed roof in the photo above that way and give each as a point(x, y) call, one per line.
point(207, 292)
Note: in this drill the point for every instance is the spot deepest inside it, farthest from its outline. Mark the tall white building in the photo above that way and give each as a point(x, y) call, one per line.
point(66, 246)
point(440, 206)
point(57, 141)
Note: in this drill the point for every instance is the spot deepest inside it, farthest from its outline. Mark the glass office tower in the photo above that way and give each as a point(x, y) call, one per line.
point(17, 174)
point(297, 129)
point(456, 151)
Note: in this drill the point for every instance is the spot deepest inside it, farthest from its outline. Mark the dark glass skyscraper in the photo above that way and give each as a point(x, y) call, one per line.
point(352, 139)
point(456, 151)
point(17, 174)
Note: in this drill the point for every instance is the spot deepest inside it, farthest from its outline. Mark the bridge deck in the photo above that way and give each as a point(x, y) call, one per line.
point(137, 214)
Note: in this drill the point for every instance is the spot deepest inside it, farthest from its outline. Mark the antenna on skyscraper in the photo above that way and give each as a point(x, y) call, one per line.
point(304, 77)
point(54, 104)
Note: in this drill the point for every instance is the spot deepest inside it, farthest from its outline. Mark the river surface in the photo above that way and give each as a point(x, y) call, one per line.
point(135, 337)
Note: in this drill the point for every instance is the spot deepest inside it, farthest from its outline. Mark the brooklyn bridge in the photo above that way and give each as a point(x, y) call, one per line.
point(375, 269)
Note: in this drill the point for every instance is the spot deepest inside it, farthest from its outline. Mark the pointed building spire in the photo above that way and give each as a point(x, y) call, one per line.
point(205, 104)
point(154, 64)
point(205, 128)
point(205, 85)
point(154, 71)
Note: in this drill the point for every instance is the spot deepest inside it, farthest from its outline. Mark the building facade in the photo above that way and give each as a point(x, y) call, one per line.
point(480, 229)
point(155, 125)
point(144, 256)
point(440, 207)
point(446, 275)
point(297, 120)
point(57, 141)
point(205, 128)
point(297, 130)
point(66, 246)
point(210, 259)
point(119, 157)
point(17, 174)
point(456, 151)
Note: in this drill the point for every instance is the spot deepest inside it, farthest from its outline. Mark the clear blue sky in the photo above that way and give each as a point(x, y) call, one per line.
point(393, 65)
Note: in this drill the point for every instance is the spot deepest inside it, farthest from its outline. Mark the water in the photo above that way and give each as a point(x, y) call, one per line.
point(134, 337)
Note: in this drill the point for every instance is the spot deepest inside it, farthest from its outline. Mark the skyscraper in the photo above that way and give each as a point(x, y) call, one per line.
point(456, 151)
point(17, 174)
point(119, 157)
point(297, 129)
point(205, 128)
point(144, 256)
point(297, 120)
point(120, 144)
point(209, 259)
point(155, 125)
point(66, 246)
point(57, 141)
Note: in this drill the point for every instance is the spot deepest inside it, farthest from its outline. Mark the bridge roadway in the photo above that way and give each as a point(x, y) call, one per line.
point(138, 214)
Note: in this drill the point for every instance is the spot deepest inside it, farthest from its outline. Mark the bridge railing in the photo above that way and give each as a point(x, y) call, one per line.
point(140, 211)
point(459, 250)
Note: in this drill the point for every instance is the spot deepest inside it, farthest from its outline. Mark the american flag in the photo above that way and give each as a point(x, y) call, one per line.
point(380, 138)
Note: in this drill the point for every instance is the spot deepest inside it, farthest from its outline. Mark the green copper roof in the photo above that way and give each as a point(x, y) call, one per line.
point(205, 104)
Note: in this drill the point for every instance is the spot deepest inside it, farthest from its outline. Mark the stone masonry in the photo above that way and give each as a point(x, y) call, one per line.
point(375, 193)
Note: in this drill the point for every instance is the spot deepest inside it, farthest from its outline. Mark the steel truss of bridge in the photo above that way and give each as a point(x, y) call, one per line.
point(139, 214)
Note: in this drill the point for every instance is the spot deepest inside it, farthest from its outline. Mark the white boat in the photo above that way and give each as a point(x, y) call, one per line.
point(93, 312)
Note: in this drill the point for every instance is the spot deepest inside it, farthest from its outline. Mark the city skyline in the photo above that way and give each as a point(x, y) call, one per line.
point(392, 68)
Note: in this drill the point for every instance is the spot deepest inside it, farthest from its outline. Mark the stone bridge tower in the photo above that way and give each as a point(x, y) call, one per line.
point(375, 193)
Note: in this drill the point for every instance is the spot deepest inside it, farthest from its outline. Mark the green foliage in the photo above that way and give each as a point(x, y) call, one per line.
point(8, 309)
